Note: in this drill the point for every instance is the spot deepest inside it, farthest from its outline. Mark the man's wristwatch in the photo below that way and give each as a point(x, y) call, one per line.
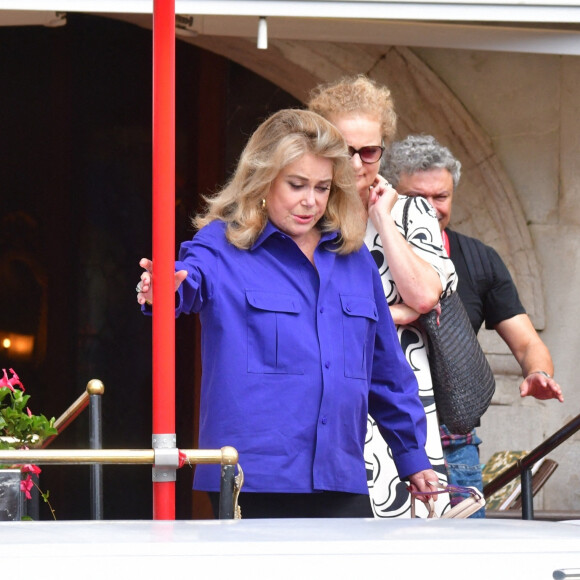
point(541, 373)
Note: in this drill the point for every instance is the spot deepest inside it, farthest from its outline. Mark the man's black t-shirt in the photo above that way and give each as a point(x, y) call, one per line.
point(485, 285)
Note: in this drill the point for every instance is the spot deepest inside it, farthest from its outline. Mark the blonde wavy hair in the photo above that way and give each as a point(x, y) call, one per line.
point(279, 141)
point(356, 95)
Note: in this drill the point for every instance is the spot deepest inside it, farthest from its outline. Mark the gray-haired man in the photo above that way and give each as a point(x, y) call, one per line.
point(420, 166)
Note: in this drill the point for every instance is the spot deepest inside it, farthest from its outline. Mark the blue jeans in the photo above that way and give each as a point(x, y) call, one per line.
point(462, 462)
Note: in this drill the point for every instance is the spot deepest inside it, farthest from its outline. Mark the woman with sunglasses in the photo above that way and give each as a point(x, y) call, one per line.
point(414, 267)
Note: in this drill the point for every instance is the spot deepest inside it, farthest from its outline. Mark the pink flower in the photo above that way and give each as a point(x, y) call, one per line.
point(26, 485)
point(15, 380)
point(11, 383)
point(4, 381)
point(29, 468)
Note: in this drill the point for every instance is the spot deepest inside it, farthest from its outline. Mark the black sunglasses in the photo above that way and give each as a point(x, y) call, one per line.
point(368, 154)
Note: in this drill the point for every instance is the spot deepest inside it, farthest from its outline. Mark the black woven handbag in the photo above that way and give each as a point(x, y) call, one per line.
point(463, 382)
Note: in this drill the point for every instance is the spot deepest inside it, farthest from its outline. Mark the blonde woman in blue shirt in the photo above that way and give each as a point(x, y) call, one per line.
point(297, 340)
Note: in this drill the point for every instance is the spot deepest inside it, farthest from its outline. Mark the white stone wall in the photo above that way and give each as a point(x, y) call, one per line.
point(529, 105)
point(515, 124)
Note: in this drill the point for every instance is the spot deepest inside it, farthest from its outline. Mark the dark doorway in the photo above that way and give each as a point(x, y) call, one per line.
point(75, 199)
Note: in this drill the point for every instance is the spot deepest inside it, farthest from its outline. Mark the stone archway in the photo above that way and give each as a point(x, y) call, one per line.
point(486, 205)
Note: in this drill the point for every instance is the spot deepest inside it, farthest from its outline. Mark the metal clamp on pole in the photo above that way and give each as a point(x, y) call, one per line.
point(166, 457)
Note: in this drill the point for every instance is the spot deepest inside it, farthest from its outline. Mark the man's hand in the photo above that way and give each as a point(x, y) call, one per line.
point(541, 387)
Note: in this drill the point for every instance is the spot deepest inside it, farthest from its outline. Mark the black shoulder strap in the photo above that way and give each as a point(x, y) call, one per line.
point(406, 216)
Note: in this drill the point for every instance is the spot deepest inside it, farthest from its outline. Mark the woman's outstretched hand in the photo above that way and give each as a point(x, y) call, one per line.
point(145, 286)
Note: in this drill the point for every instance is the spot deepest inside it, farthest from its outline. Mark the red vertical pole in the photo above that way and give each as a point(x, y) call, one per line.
point(164, 239)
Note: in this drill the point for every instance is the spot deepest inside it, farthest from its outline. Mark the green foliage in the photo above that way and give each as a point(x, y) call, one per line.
point(18, 427)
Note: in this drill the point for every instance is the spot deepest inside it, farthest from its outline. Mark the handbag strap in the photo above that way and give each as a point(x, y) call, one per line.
point(430, 505)
point(463, 509)
point(406, 216)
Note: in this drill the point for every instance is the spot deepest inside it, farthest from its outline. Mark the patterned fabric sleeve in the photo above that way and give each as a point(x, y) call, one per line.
point(389, 495)
point(424, 236)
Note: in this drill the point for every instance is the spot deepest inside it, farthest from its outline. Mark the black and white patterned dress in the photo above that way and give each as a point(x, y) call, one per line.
point(389, 496)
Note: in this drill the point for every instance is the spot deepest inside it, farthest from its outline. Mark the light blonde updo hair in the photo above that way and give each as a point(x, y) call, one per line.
point(279, 141)
point(356, 95)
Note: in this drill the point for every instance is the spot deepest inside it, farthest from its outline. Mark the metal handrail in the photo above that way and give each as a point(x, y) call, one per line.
point(162, 458)
point(523, 467)
point(91, 397)
point(226, 456)
point(68, 417)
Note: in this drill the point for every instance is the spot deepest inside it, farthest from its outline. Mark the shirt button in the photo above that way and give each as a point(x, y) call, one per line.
point(327, 364)
point(323, 421)
point(347, 308)
point(321, 309)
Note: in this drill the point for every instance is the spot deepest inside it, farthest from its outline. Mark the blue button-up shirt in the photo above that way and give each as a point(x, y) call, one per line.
point(293, 358)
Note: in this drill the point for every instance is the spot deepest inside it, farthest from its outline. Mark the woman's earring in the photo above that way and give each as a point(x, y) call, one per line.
point(263, 204)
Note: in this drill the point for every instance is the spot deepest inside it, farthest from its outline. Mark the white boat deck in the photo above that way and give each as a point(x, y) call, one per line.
point(297, 549)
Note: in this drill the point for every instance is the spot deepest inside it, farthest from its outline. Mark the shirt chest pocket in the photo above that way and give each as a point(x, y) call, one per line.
point(273, 341)
point(359, 313)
